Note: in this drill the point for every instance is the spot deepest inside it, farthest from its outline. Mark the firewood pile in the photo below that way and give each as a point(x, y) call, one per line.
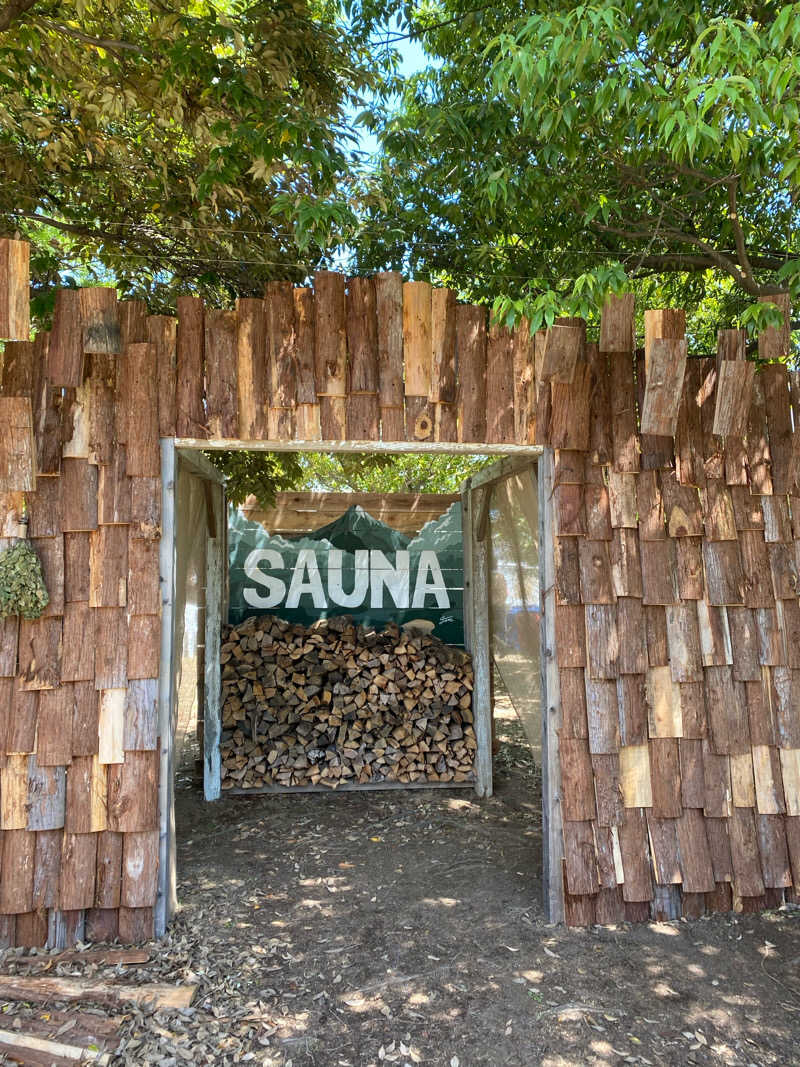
point(337, 703)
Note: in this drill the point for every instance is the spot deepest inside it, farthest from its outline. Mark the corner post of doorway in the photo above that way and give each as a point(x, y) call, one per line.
point(480, 637)
point(215, 587)
point(552, 836)
point(166, 897)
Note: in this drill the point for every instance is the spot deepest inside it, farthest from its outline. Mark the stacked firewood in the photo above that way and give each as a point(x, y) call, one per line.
point(337, 703)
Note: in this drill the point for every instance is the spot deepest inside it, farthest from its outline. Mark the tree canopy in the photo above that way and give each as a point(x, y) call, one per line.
point(266, 473)
point(550, 154)
point(189, 145)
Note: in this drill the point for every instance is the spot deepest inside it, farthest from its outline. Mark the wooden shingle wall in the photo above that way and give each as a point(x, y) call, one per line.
point(676, 537)
point(78, 687)
point(677, 625)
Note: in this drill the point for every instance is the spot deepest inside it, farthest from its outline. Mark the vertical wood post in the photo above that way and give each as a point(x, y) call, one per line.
point(552, 838)
point(481, 662)
point(166, 896)
point(212, 720)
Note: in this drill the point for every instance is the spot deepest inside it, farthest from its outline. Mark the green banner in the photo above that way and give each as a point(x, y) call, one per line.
point(355, 566)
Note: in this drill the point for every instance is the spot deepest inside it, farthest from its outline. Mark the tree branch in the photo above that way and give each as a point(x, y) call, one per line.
point(738, 232)
point(95, 42)
point(13, 10)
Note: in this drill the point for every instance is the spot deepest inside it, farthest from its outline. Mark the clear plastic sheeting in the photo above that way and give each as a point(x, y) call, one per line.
point(514, 608)
point(191, 514)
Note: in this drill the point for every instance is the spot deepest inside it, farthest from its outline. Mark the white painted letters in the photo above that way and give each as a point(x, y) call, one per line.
point(276, 589)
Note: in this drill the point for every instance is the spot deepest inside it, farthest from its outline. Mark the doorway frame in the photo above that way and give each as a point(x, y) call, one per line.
point(188, 451)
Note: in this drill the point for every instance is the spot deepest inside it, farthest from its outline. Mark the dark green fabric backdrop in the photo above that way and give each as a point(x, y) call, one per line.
point(355, 566)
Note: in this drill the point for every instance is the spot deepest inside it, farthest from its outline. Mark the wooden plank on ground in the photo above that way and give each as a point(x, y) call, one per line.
point(157, 996)
point(32, 1050)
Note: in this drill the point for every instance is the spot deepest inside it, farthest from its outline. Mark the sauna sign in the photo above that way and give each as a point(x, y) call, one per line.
point(354, 566)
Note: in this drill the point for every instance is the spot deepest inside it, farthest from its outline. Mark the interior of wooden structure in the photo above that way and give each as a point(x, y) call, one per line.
point(670, 526)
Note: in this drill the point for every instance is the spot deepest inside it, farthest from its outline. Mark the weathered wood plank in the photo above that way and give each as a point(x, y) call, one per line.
point(500, 386)
point(666, 368)
point(723, 572)
point(251, 372)
point(54, 726)
point(17, 445)
point(417, 342)
point(190, 415)
point(40, 651)
point(734, 390)
point(111, 644)
point(222, 364)
point(471, 341)
point(635, 852)
point(100, 320)
point(133, 793)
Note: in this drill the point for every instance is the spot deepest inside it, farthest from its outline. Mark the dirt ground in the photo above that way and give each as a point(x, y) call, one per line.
point(349, 930)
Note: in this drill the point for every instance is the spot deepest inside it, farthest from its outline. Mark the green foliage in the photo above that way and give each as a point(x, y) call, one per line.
point(400, 473)
point(194, 145)
point(22, 588)
point(261, 473)
point(265, 473)
point(551, 154)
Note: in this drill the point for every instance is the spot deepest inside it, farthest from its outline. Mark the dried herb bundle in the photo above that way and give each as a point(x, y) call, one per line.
point(22, 588)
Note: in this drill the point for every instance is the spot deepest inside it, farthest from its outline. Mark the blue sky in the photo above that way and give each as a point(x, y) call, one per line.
point(412, 59)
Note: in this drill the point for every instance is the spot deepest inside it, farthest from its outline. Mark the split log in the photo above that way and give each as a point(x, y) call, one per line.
point(339, 704)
